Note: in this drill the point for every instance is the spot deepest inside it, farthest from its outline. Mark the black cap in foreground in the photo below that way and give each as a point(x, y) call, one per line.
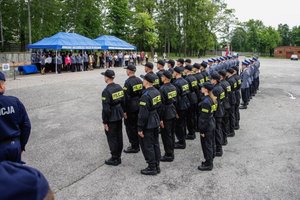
point(109, 73)
point(149, 77)
point(131, 68)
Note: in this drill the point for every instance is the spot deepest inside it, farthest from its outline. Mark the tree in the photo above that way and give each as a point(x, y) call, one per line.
point(285, 34)
point(295, 36)
point(239, 40)
point(118, 18)
point(269, 38)
point(144, 30)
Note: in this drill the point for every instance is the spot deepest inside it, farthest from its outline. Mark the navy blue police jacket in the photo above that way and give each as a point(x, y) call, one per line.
point(14, 121)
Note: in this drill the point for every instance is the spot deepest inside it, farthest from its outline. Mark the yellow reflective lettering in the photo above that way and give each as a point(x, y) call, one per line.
point(185, 87)
point(156, 100)
point(117, 95)
point(222, 95)
point(172, 94)
point(142, 103)
point(137, 87)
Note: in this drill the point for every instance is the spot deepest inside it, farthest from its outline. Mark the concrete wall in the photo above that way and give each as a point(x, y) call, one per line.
point(15, 58)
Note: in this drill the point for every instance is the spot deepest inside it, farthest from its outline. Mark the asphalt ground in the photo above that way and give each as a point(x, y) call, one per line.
point(69, 146)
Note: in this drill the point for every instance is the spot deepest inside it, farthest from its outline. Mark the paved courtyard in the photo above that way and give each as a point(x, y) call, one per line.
point(69, 146)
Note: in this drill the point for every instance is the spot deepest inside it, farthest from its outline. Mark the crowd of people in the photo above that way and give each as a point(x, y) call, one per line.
point(84, 61)
point(178, 102)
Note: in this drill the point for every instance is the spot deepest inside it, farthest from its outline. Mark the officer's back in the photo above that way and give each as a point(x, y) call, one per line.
point(14, 125)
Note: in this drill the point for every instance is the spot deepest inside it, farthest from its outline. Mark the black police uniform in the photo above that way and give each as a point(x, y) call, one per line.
point(232, 100)
point(219, 92)
point(156, 82)
point(205, 75)
point(15, 127)
point(159, 75)
point(148, 122)
point(112, 114)
point(225, 121)
point(238, 100)
point(182, 106)
point(206, 125)
point(168, 116)
point(133, 91)
point(193, 98)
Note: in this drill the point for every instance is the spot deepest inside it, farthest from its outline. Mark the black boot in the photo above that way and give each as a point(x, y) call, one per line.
point(167, 158)
point(157, 168)
point(190, 136)
point(206, 166)
point(243, 107)
point(231, 134)
point(225, 142)
point(130, 149)
point(179, 145)
point(219, 151)
point(237, 127)
point(150, 170)
point(113, 161)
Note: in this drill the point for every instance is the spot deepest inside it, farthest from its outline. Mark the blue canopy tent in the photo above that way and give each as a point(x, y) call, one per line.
point(64, 40)
point(108, 42)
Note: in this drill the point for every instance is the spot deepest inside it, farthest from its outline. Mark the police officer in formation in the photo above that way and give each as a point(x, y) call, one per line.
point(133, 91)
point(148, 125)
point(15, 126)
point(168, 94)
point(206, 100)
point(112, 114)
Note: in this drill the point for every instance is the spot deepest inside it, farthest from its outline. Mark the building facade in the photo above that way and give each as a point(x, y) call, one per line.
point(286, 51)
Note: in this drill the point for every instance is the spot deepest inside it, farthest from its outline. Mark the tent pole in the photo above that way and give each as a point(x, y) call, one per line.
point(56, 61)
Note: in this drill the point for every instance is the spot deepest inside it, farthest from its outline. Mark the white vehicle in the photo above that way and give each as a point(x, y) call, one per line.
point(294, 57)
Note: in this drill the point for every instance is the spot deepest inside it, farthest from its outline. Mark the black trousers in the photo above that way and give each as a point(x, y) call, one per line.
point(218, 133)
point(180, 127)
point(207, 145)
point(150, 146)
point(131, 129)
point(225, 124)
point(85, 66)
point(73, 67)
point(168, 136)
point(237, 108)
point(245, 95)
point(256, 84)
point(78, 67)
point(59, 68)
point(191, 119)
point(115, 138)
point(232, 119)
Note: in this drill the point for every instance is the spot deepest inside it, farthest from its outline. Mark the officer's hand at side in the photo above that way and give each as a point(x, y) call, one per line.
point(177, 116)
point(202, 135)
point(162, 124)
point(125, 115)
point(141, 134)
point(106, 127)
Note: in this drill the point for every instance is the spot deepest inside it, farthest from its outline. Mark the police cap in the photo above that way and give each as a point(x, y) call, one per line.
point(109, 73)
point(149, 77)
point(167, 74)
point(130, 67)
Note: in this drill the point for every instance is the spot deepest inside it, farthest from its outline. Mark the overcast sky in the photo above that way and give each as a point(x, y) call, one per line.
point(271, 12)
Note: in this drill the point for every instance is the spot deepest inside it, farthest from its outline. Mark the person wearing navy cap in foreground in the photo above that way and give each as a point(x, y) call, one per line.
point(133, 88)
point(182, 106)
point(168, 116)
point(206, 125)
point(20, 182)
point(148, 125)
point(171, 65)
point(180, 62)
point(112, 115)
point(15, 125)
